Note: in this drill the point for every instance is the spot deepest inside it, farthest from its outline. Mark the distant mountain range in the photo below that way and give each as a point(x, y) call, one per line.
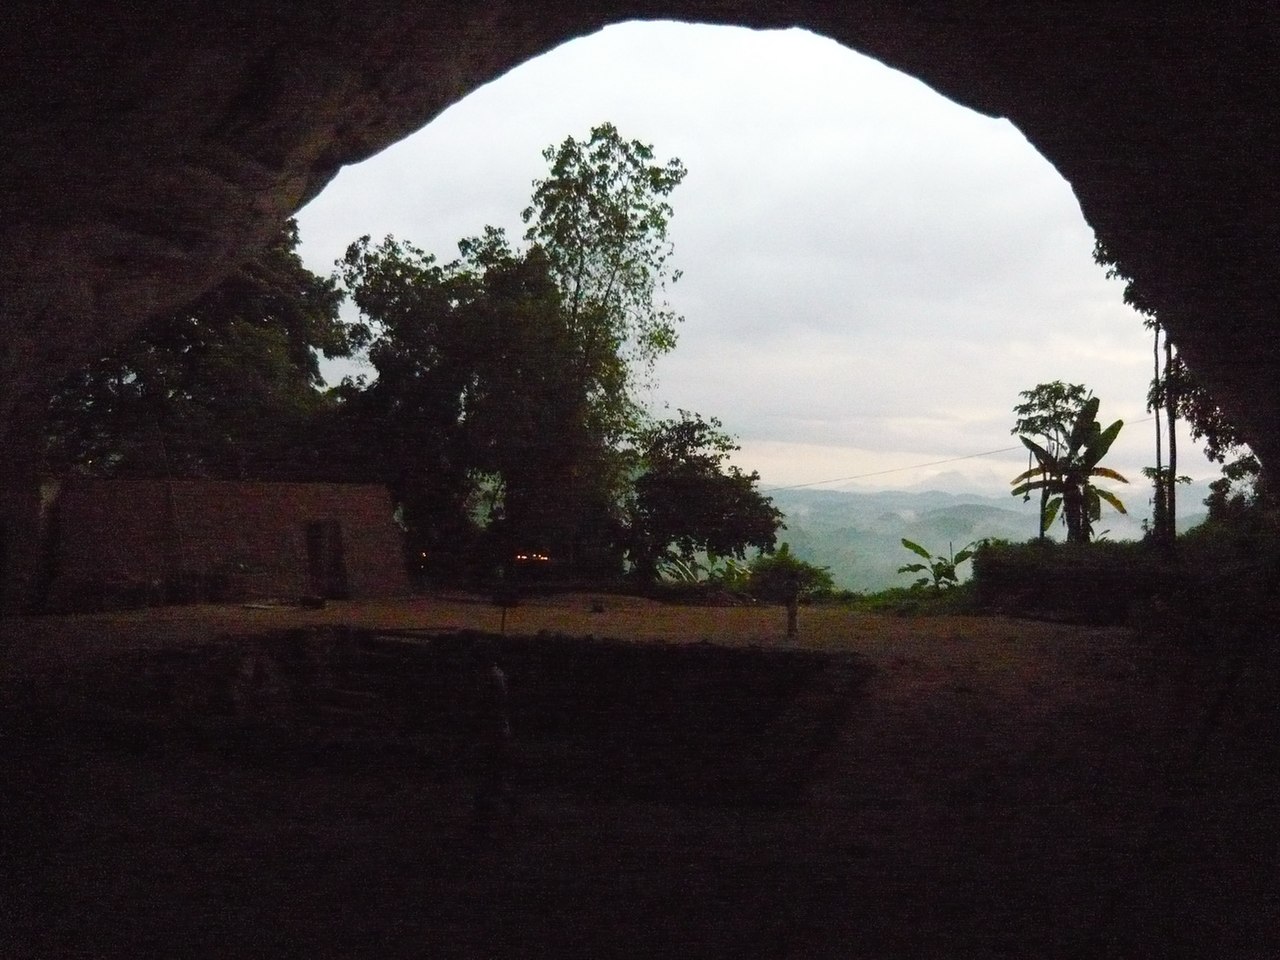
point(859, 535)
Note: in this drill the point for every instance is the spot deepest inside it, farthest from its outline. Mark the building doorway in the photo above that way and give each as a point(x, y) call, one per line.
point(326, 567)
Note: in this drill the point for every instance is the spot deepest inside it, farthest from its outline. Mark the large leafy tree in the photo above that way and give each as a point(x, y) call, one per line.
point(1241, 492)
point(1046, 415)
point(220, 388)
point(601, 217)
point(506, 379)
point(1067, 475)
point(404, 427)
point(689, 500)
point(554, 475)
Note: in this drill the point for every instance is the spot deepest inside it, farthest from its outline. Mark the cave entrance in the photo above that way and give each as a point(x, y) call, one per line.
point(871, 272)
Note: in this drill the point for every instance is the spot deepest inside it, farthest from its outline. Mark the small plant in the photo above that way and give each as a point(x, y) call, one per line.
point(783, 578)
point(941, 569)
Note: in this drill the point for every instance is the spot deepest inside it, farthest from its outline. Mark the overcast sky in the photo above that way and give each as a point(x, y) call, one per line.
point(871, 272)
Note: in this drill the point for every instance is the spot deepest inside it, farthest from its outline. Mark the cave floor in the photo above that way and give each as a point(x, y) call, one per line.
point(934, 788)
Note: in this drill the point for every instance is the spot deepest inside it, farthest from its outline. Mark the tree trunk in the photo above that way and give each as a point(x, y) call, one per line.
point(1159, 516)
point(793, 617)
point(1171, 412)
point(1073, 507)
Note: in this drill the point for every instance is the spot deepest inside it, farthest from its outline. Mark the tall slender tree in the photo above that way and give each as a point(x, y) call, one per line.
point(601, 217)
point(1155, 397)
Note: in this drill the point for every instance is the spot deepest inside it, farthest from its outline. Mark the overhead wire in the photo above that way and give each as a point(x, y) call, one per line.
point(914, 466)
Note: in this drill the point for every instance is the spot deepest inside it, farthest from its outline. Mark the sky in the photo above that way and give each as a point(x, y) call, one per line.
point(871, 273)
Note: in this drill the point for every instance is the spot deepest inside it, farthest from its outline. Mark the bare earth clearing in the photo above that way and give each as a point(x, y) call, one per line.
point(192, 782)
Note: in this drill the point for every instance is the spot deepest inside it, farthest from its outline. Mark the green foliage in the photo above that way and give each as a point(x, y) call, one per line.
point(505, 379)
point(1077, 582)
point(404, 428)
point(1240, 494)
point(688, 501)
point(781, 577)
point(1048, 410)
point(1218, 585)
point(601, 218)
point(1232, 563)
point(222, 388)
point(913, 601)
point(1066, 475)
point(1162, 480)
point(1046, 414)
point(941, 569)
point(479, 414)
point(1193, 400)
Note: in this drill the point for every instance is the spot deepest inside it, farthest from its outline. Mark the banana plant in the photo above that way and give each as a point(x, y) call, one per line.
point(941, 569)
point(1067, 477)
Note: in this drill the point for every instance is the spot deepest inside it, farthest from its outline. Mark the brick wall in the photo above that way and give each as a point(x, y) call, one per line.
point(129, 542)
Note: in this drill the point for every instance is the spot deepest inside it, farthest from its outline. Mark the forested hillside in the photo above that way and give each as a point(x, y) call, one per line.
point(859, 535)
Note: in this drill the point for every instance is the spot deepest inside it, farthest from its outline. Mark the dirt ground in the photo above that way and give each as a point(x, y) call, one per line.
point(221, 782)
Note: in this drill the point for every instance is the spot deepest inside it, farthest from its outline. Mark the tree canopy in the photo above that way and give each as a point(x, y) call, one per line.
point(1067, 475)
point(506, 379)
point(503, 407)
point(1192, 400)
point(1046, 414)
point(601, 217)
point(689, 500)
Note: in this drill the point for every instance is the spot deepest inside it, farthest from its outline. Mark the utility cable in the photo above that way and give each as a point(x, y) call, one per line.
point(916, 466)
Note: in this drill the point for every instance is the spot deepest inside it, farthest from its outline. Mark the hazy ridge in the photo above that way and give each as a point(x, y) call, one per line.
point(858, 535)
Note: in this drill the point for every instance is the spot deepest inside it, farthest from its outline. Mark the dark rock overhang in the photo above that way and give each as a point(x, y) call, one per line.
point(150, 148)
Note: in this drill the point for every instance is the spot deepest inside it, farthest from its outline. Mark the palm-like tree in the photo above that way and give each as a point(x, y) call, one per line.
point(1067, 475)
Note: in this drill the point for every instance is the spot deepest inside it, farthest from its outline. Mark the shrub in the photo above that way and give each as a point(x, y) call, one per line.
point(1076, 582)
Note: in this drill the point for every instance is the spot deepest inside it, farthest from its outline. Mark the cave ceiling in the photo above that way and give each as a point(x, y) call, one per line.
point(149, 148)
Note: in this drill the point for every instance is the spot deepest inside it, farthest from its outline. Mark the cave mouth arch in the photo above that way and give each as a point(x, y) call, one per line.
point(840, 218)
point(148, 155)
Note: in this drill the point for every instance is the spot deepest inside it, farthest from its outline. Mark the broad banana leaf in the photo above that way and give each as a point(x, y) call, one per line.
point(1108, 473)
point(1041, 454)
point(1051, 511)
point(1086, 423)
point(1112, 499)
point(1099, 445)
point(916, 549)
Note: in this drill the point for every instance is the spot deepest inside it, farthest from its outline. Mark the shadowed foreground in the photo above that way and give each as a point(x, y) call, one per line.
point(308, 793)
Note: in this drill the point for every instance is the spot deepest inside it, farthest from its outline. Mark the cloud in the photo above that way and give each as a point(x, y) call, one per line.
point(872, 273)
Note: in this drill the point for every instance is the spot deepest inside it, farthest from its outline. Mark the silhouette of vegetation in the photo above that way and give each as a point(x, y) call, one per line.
point(688, 501)
point(1066, 475)
point(1046, 414)
point(504, 408)
point(225, 387)
point(940, 568)
point(1190, 399)
point(783, 578)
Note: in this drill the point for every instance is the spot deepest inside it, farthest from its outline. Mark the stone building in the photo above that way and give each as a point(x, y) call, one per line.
point(112, 543)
